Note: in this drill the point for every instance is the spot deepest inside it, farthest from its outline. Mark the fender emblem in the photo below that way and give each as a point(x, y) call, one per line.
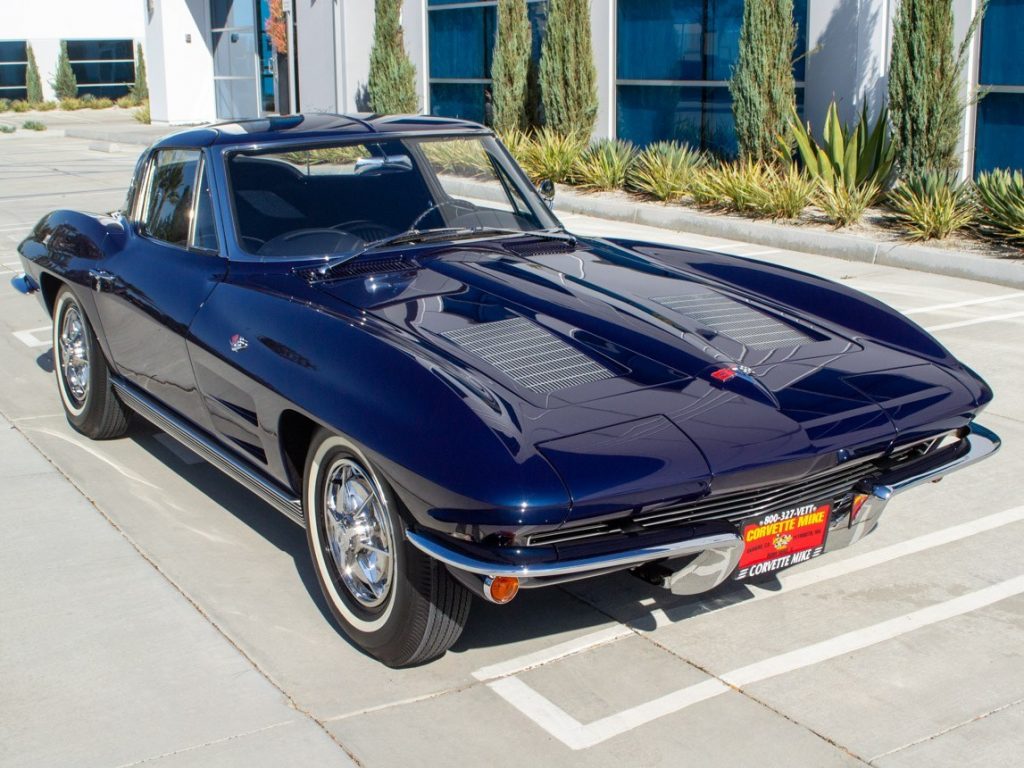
point(238, 343)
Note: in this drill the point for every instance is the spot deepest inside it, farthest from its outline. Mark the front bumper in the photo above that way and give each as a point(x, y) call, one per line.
point(713, 557)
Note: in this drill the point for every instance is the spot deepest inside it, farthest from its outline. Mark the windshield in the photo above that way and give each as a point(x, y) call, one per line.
point(337, 200)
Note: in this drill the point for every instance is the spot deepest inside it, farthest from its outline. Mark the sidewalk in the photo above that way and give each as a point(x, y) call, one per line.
point(104, 662)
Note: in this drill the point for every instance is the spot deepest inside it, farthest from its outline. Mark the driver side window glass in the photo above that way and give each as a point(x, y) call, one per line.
point(204, 233)
point(169, 201)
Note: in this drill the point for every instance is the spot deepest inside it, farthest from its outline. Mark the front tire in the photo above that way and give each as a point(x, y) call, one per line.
point(396, 603)
point(83, 378)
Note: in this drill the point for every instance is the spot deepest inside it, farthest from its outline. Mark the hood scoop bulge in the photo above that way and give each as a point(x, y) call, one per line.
point(531, 356)
point(742, 322)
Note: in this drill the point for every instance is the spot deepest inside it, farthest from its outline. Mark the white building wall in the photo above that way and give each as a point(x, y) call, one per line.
point(356, 42)
point(180, 71)
point(44, 23)
point(602, 39)
point(414, 29)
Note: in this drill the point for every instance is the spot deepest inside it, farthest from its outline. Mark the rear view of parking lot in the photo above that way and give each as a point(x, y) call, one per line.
point(153, 612)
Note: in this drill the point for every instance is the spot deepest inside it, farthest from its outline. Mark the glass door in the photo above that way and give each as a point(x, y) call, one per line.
point(236, 70)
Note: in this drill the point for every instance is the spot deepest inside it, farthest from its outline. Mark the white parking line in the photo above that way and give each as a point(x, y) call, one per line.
point(975, 321)
point(560, 651)
point(576, 735)
point(966, 303)
point(29, 339)
point(759, 253)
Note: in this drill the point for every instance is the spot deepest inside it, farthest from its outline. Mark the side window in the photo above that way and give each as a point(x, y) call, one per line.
point(204, 232)
point(172, 181)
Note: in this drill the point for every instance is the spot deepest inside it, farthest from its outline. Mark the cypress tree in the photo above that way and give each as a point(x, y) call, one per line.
point(64, 84)
point(511, 66)
point(762, 85)
point(925, 103)
point(140, 88)
point(392, 82)
point(568, 78)
point(33, 83)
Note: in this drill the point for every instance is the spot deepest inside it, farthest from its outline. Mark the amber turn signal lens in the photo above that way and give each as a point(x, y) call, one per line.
point(858, 502)
point(502, 589)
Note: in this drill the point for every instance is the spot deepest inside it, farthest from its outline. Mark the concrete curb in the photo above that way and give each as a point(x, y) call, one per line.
point(1009, 272)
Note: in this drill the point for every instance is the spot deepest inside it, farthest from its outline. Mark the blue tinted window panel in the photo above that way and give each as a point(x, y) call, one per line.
point(11, 76)
point(104, 73)
point(800, 54)
point(462, 100)
point(13, 50)
point(461, 42)
point(1001, 62)
point(725, 17)
point(100, 50)
point(649, 113)
point(13, 93)
point(719, 127)
point(104, 91)
point(660, 40)
point(999, 140)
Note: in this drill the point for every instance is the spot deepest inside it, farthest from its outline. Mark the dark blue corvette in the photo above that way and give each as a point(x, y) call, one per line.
point(377, 325)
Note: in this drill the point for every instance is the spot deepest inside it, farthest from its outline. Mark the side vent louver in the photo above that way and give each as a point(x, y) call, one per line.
point(746, 324)
point(528, 354)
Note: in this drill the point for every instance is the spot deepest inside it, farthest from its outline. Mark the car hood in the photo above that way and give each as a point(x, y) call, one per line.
point(607, 361)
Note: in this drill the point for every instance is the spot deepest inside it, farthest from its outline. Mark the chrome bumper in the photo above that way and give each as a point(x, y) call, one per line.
point(718, 554)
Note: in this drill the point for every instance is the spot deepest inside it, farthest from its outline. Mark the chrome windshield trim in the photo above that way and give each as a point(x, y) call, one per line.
point(726, 542)
point(981, 443)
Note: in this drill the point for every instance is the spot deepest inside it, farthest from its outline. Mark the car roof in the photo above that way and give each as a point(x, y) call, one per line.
point(316, 126)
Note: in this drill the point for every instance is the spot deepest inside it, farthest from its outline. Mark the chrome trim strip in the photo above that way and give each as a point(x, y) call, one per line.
point(233, 467)
point(982, 443)
point(602, 563)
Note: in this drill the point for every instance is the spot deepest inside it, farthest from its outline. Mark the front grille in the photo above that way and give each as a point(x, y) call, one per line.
point(528, 354)
point(733, 507)
point(742, 322)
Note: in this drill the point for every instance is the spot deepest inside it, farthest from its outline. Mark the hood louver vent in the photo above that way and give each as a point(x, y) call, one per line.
point(746, 324)
point(369, 266)
point(529, 355)
point(542, 247)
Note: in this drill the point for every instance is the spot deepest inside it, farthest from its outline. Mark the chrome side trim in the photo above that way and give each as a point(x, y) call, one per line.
point(982, 443)
point(233, 467)
point(727, 542)
point(24, 284)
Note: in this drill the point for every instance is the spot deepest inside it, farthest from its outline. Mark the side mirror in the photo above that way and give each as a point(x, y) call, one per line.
point(546, 188)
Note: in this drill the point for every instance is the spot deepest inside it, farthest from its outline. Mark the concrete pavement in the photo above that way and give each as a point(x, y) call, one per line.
point(150, 609)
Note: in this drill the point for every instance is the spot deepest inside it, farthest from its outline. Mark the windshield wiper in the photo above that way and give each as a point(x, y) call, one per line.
point(440, 233)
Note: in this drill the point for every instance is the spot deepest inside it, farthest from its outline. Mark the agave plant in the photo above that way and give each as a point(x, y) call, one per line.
point(932, 205)
point(785, 193)
point(1001, 202)
point(518, 143)
point(663, 170)
point(852, 158)
point(605, 164)
point(552, 155)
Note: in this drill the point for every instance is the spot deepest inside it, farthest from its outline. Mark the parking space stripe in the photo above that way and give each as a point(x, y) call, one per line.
point(966, 303)
point(975, 321)
point(576, 735)
point(560, 651)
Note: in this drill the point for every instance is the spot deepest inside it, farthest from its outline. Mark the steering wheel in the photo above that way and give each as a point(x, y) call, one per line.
point(304, 241)
point(252, 244)
point(365, 228)
point(449, 203)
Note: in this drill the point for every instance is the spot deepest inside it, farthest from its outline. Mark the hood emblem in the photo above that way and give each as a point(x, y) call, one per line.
point(238, 343)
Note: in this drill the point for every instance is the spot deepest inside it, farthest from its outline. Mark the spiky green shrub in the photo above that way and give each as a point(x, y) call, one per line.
point(5, 105)
point(33, 125)
point(553, 155)
point(64, 84)
point(518, 143)
point(704, 188)
point(931, 206)
point(568, 77)
point(924, 85)
point(460, 157)
point(663, 170)
point(739, 185)
point(73, 104)
point(510, 67)
point(850, 158)
point(784, 193)
point(139, 90)
point(44, 106)
point(20, 106)
point(141, 115)
point(392, 80)
point(7, 128)
point(762, 85)
point(605, 164)
point(33, 82)
point(842, 205)
point(1000, 195)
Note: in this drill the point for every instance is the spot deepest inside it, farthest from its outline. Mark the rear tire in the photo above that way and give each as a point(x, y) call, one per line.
point(393, 601)
point(83, 378)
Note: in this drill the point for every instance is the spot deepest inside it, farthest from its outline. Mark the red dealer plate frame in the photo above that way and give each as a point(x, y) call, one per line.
point(777, 540)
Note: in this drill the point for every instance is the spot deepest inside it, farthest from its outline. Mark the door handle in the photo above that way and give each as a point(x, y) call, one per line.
point(102, 280)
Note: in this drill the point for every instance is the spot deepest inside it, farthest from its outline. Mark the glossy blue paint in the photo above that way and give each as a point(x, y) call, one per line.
point(469, 449)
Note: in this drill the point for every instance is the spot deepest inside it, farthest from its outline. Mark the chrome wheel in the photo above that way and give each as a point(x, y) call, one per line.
point(358, 533)
point(74, 355)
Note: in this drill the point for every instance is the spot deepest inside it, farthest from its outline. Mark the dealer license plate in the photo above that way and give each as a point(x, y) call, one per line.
point(778, 540)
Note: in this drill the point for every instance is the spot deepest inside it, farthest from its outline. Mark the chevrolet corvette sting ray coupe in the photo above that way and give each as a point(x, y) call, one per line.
point(378, 325)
